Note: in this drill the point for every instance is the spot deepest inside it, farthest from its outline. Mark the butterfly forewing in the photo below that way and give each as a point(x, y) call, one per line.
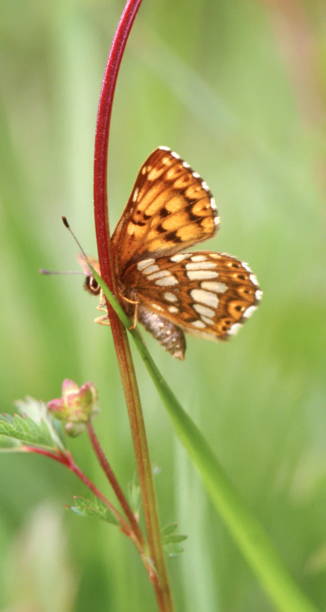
point(170, 209)
point(205, 293)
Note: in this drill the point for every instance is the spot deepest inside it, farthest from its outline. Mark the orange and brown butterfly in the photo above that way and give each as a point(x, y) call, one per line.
point(170, 290)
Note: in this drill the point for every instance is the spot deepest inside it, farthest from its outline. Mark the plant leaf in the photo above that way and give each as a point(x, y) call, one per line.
point(169, 528)
point(92, 508)
point(173, 550)
point(134, 495)
point(25, 430)
point(170, 540)
point(37, 412)
point(9, 444)
point(175, 539)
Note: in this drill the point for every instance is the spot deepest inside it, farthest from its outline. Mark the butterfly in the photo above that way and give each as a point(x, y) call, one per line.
point(162, 285)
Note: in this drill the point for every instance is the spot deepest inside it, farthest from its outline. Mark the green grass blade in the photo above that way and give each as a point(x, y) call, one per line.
point(246, 530)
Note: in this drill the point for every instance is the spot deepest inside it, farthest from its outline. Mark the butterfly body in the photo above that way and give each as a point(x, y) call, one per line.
point(204, 293)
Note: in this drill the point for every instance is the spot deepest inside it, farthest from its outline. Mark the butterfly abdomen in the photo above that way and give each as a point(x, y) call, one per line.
point(168, 334)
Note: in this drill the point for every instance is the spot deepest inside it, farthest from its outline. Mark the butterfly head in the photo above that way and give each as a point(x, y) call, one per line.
point(91, 285)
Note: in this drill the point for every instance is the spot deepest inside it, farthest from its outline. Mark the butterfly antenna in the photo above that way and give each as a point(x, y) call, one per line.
point(66, 224)
point(55, 272)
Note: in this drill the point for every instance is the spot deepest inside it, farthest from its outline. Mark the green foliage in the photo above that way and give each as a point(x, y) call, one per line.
point(92, 508)
point(33, 426)
point(8, 444)
point(171, 540)
point(25, 430)
point(134, 495)
point(219, 83)
point(249, 535)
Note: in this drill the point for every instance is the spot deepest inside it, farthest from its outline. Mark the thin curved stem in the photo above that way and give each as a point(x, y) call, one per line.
point(102, 138)
point(162, 589)
point(66, 459)
point(114, 482)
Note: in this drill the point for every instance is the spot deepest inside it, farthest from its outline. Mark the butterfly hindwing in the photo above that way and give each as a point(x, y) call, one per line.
point(205, 293)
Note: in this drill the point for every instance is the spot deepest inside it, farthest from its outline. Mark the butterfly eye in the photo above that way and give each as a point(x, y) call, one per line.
point(91, 285)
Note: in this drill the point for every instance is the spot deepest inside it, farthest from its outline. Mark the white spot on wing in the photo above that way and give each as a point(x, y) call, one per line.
point(198, 258)
point(196, 175)
point(249, 312)
point(204, 265)
point(207, 320)
point(253, 279)
point(151, 269)
point(214, 286)
point(163, 148)
point(258, 294)
point(185, 164)
point(216, 220)
point(135, 195)
point(246, 266)
point(174, 154)
point(158, 274)
point(201, 274)
point(203, 310)
point(168, 281)
point(198, 324)
point(205, 297)
point(170, 297)
point(234, 329)
point(213, 204)
point(144, 263)
point(179, 257)
point(205, 186)
point(173, 309)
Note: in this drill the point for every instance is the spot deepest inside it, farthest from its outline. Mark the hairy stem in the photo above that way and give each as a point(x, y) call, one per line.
point(114, 482)
point(66, 459)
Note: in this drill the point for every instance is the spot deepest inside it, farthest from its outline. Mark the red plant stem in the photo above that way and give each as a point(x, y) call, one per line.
point(114, 482)
point(66, 459)
point(102, 136)
point(124, 526)
point(127, 372)
point(57, 456)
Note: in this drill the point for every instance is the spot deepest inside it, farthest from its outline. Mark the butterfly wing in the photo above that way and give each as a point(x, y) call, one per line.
point(170, 208)
point(205, 293)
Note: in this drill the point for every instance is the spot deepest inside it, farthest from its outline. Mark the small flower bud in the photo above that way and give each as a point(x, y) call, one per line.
point(76, 406)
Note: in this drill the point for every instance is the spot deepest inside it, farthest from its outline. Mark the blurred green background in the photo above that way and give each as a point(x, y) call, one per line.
point(236, 88)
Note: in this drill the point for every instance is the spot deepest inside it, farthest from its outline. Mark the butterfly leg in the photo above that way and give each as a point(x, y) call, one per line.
point(101, 307)
point(103, 319)
point(135, 303)
point(135, 317)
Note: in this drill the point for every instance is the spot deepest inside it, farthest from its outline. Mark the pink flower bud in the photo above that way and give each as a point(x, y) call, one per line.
point(76, 406)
